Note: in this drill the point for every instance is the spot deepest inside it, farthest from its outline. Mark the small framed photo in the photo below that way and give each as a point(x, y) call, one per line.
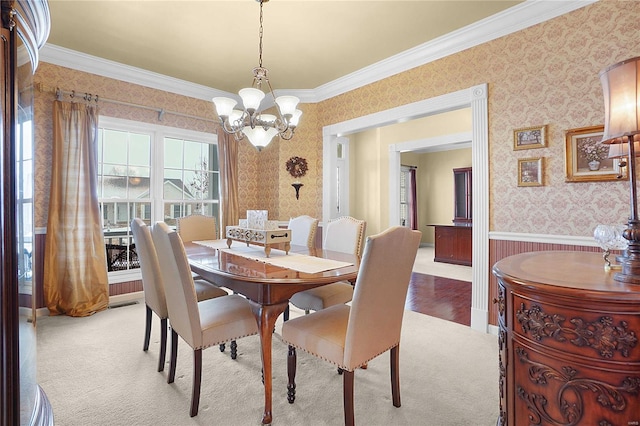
point(530, 137)
point(587, 160)
point(530, 171)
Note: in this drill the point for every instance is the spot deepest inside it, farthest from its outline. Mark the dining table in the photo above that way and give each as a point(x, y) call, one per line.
point(268, 283)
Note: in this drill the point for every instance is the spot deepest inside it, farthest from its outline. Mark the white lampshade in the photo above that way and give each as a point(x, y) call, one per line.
point(259, 137)
point(224, 106)
point(287, 104)
point(621, 87)
point(295, 118)
point(251, 98)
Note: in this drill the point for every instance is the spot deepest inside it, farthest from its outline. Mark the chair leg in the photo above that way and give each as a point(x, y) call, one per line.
point(197, 379)
point(222, 346)
point(349, 416)
point(163, 343)
point(147, 329)
point(234, 349)
point(285, 315)
point(174, 357)
point(291, 372)
point(395, 376)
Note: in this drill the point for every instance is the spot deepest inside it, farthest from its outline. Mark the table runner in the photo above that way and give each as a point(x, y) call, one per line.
point(294, 261)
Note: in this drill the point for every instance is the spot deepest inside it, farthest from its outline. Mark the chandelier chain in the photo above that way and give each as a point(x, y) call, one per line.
point(260, 35)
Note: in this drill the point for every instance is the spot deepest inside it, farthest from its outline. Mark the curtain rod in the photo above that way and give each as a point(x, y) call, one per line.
point(95, 98)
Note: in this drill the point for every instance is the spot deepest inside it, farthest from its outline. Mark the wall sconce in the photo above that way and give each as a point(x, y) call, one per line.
point(620, 84)
point(297, 186)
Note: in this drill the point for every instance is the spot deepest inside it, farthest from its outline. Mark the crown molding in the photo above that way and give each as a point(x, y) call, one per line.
point(519, 17)
point(94, 65)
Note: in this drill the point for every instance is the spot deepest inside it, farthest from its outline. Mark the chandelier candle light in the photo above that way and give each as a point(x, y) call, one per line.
point(621, 87)
point(259, 128)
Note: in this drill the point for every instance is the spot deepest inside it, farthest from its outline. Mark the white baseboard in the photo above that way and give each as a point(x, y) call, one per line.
point(126, 298)
point(493, 329)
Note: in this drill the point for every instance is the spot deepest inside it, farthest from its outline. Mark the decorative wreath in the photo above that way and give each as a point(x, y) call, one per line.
point(297, 166)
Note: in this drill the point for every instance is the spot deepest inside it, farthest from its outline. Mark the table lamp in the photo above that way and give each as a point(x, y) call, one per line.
point(621, 87)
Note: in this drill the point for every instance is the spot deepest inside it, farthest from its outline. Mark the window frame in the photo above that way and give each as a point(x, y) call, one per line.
point(157, 134)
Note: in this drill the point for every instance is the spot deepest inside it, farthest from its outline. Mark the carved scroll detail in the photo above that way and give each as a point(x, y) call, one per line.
point(601, 335)
point(572, 393)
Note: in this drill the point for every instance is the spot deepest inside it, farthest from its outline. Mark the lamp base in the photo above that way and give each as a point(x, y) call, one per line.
point(630, 262)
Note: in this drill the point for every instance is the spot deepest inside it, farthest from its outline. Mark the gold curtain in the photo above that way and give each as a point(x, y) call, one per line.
point(75, 278)
point(228, 160)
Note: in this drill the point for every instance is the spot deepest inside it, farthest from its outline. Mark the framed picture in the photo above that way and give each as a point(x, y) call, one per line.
point(530, 137)
point(587, 160)
point(530, 171)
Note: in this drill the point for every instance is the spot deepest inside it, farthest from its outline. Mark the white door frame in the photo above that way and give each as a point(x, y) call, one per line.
point(475, 98)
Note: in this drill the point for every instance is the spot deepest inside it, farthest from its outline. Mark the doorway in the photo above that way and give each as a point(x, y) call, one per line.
point(475, 98)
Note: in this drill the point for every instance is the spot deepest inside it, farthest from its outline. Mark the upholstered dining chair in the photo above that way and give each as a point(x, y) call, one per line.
point(199, 324)
point(344, 234)
point(197, 227)
point(303, 230)
point(153, 286)
point(351, 336)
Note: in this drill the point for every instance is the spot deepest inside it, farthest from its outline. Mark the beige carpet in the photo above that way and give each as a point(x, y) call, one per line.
point(94, 372)
point(424, 264)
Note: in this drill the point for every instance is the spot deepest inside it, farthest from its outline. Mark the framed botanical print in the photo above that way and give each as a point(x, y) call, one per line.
point(530, 137)
point(530, 171)
point(587, 160)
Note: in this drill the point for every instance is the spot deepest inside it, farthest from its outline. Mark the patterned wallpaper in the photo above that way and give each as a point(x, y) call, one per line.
point(546, 74)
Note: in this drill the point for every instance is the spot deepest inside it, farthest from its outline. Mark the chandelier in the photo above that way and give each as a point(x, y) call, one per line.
point(259, 128)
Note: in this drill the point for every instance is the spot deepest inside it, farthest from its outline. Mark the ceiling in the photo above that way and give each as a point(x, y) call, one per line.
point(306, 44)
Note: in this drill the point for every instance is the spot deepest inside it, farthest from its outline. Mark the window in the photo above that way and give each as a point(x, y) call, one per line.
point(154, 173)
point(24, 198)
point(408, 214)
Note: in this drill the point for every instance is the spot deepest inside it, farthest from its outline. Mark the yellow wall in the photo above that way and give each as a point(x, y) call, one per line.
point(370, 162)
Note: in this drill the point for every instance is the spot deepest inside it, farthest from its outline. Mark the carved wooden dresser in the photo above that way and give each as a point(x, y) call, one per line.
point(568, 336)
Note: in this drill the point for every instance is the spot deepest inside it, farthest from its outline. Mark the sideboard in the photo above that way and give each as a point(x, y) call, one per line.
point(453, 244)
point(568, 339)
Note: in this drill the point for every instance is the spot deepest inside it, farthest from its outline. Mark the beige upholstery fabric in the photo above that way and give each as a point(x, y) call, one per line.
point(303, 230)
point(153, 286)
point(196, 322)
point(351, 336)
point(201, 325)
point(152, 280)
point(345, 235)
point(197, 227)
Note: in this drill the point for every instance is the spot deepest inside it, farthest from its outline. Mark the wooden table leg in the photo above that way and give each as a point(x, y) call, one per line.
point(266, 317)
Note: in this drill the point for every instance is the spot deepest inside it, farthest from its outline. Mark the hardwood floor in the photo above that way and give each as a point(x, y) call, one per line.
point(440, 297)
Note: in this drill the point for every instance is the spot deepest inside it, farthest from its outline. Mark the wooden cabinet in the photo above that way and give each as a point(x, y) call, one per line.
point(453, 244)
point(25, 26)
point(568, 340)
point(462, 179)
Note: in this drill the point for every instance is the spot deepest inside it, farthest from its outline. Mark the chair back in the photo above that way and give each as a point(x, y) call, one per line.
point(197, 227)
point(152, 284)
point(182, 302)
point(375, 320)
point(344, 234)
point(303, 230)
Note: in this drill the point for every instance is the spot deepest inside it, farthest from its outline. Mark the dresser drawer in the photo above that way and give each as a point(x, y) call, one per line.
point(596, 334)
